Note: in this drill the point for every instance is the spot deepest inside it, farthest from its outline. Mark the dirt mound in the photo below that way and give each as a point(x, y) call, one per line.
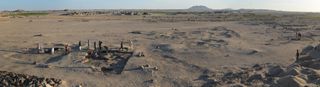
point(223, 31)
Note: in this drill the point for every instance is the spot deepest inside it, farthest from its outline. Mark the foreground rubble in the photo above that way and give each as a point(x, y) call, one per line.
point(263, 75)
point(304, 72)
point(9, 79)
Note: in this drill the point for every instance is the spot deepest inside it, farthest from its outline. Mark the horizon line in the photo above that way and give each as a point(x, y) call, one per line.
point(1, 10)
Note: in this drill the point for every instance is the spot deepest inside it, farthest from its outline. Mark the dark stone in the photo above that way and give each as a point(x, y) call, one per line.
point(135, 32)
point(257, 67)
point(255, 77)
point(275, 71)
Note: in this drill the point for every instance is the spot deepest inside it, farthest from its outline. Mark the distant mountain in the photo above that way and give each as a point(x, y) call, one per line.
point(199, 8)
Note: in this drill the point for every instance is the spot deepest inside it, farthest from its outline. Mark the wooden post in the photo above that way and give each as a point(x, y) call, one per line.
point(100, 44)
point(66, 48)
point(80, 45)
point(88, 44)
point(95, 46)
point(52, 50)
point(40, 49)
point(131, 45)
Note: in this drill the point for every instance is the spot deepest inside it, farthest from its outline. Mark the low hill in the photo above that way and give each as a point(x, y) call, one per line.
point(199, 8)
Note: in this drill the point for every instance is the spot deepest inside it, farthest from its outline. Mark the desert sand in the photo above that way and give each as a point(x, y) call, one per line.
point(176, 54)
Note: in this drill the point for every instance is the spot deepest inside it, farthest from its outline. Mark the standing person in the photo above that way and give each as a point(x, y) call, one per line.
point(121, 45)
point(299, 35)
point(297, 55)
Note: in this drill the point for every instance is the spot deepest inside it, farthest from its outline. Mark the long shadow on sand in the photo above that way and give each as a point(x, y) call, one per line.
point(24, 62)
point(122, 58)
point(55, 59)
point(12, 51)
point(205, 71)
point(184, 63)
point(132, 69)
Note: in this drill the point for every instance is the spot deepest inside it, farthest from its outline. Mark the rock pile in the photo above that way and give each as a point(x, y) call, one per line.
point(9, 79)
point(263, 75)
point(302, 73)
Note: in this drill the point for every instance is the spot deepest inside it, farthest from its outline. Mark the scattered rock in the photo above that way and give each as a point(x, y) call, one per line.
point(34, 63)
point(140, 54)
point(237, 85)
point(313, 75)
point(251, 52)
point(152, 81)
point(307, 50)
point(291, 81)
point(38, 35)
point(136, 32)
point(44, 66)
point(315, 66)
point(85, 60)
point(144, 66)
point(47, 85)
point(302, 73)
point(226, 32)
point(60, 20)
point(164, 47)
point(226, 55)
point(259, 77)
point(95, 68)
point(293, 72)
point(156, 68)
point(257, 67)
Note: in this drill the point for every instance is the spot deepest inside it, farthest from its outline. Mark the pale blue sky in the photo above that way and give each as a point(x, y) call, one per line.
point(287, 5)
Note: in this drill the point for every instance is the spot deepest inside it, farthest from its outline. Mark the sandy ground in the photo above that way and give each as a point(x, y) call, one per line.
point(182, 51)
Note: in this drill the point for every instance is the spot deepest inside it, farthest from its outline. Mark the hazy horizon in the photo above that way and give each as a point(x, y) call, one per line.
point(283, 5)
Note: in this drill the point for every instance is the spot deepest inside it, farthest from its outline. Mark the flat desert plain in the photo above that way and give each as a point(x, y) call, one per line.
point(175, 54)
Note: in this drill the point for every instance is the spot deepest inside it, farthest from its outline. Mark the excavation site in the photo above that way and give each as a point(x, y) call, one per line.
point(192, 47)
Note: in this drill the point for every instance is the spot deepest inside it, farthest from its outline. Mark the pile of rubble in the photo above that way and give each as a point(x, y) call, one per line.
point(304, 72)
point(9, 79)
point(262, 75)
